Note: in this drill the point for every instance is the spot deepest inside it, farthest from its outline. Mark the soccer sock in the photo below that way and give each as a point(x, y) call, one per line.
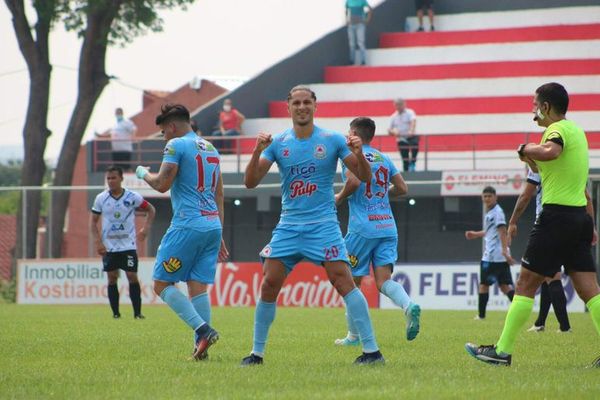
point(510, 295)
point(559, 303)
point(352, 331)
point(201, 304)
point(519, 311)
point(483, 300)
point(357, 307)
point(396, 293)
point(545, 301)
point(136, 298)
point(263, 318)
point(113, 298)
point(594, 308)
point(182, 306)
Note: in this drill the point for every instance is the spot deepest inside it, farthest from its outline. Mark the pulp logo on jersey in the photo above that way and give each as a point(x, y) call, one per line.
point(301, 188)
point(305, 171)
point(172, 265)
point(353, 260)
point(285, 153)
point(320, 151)
point(373, 157)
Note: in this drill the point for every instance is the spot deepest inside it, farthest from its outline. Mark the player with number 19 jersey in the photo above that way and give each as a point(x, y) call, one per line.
point(307, 168)
point(190, 247)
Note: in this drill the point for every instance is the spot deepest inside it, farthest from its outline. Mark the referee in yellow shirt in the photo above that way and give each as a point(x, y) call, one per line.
point(564, 232)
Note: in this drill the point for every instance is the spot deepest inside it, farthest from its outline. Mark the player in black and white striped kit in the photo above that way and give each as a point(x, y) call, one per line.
point(116, 241)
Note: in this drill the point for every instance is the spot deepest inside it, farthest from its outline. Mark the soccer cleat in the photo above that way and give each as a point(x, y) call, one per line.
point(536, 328)
point(206, 337)
point(561, 331)
point(347, 341)
point(413, 315)
point(488, 354)
point(252, 359)
point(595, 363)
point(139, 316)
point(478, 318)
point(370, 358)
point(117, 316)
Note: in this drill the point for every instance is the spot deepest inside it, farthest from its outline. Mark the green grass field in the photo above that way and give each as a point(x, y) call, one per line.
point(80, 352)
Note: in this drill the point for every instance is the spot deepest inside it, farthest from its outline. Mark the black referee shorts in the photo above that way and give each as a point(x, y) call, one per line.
point(561, 236)
point(125, 260)
point(423, 4)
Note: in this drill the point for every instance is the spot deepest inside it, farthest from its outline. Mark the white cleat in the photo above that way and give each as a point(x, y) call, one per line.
point(536, 328)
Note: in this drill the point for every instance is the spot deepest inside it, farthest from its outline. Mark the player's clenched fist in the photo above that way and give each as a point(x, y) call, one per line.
point(354, 144)
point(263, 140)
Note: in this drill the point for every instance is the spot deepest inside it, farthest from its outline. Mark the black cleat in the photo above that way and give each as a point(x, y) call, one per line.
point(488, 354)
point(252, 359)
point(207, 336)
point(117, 316)
point(139, 316)
point(595, 363)
point(370, 358)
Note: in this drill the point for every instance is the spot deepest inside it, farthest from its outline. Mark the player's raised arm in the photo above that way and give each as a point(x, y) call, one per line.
point(398, 186)
point(356, 162)
point(350, 185)
point(258, 166)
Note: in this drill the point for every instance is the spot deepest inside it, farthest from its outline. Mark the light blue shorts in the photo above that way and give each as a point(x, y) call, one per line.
point(187, 255)
point(364, 252)
point(318, 243)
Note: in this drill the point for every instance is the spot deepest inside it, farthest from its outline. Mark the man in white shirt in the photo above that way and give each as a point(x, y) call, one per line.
point(121, 135)
point(403, 127)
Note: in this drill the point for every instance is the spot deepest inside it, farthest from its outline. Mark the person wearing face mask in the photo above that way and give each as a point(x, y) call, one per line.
point(230, 124)
point(121, 135)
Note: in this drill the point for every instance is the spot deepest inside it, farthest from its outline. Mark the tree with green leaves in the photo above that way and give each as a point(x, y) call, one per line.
point(100, 24)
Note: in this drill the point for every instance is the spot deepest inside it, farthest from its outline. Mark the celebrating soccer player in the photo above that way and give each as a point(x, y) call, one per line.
point(307, 156)
point(116, 243)
point(564, 231)
point(372, 237)
point(193, 243)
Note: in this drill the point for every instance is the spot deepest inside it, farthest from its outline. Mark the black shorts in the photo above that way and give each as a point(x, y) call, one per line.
point(420, 4)
point(125, 260)
point(492, 272)
point(561, 236)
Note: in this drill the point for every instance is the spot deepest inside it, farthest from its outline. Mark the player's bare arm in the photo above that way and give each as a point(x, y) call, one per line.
point(356, 162)
point(258, 167)
point(502, 232)
point(164, 179)
point(398, 186)
point(97, 235)
point(219, 199)
point(150, 214)
point(542, 152)
point(474, 234)
point(352, 183)
point(524, 198)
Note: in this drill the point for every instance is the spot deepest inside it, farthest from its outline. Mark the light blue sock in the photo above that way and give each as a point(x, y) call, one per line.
point(263, 318)
point(201, 304)
point(357, 307)
point(396, 293)
point(351, 326)
point(182, 306)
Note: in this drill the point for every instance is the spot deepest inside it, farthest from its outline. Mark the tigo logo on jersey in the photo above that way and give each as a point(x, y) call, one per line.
point(172, 265)
point(353, 260)
point(320, 151)
point(373, 157)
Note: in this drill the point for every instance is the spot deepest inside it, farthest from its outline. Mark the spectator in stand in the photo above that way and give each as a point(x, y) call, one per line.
point(122, 146)
point(421, 5)
point(230, 124)
point(403, 127)
point(357, 19)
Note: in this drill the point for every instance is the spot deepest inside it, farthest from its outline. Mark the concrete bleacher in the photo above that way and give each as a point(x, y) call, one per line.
point(471, 84)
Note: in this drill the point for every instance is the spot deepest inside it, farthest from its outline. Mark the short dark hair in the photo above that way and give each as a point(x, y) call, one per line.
point(301, 87)
point(489, 189)
point(364, 127)
point(172, 112)
point(115, 168)
point(554, 94)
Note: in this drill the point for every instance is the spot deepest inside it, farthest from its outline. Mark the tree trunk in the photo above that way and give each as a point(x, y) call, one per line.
point(92, 80)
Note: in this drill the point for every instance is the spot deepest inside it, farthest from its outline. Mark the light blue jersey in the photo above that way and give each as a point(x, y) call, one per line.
point(370, 212)
point(307, 169)
point(193, 190)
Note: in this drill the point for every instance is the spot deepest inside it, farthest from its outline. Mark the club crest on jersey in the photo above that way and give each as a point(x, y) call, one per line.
point(285, 152)
point(373, 157)
point(353, 260)
point(266, 251)
point(320, 151)
point(126, 203)
point(302, 188)
point(117, 214)
point(172, 265)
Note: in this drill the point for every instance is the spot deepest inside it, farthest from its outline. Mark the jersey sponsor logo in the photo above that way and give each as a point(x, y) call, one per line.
point(169, 151)
point(117, 214)
point(379, 217)
point(377, 206)
point(320, 151)
point(117, 227)
point(204, 146)
point(302, 188)
point(384, 226)
point(205, 213)
point(172, 265)
point(266, 251)
point(353, 260)
point(373, 157)
point(305, 171)
point(285, 153)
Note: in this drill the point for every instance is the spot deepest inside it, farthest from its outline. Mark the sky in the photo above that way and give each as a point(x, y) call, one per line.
point(212, 38)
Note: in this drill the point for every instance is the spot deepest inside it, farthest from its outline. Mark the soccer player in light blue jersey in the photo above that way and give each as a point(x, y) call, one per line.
point(307, 157)
point(372, 238)
point(193, 243)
